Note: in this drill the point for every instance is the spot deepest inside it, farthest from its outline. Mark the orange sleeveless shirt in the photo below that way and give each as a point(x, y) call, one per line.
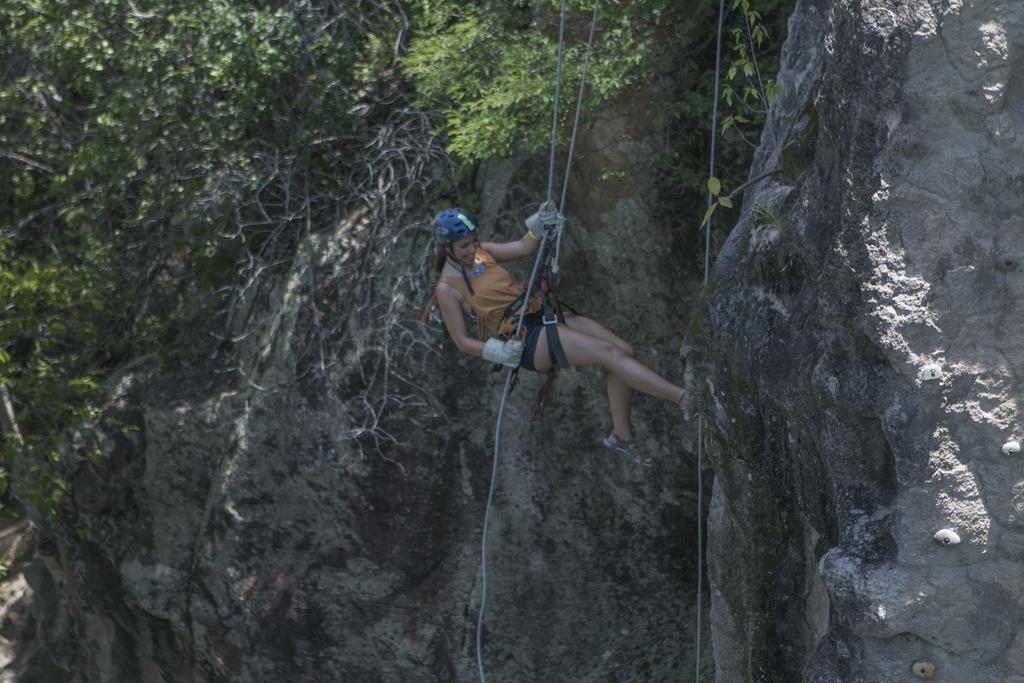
point(494, 289)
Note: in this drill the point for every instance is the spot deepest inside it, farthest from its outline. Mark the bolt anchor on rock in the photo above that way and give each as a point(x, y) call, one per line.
point(1007, 263)
point(931, 372)
point(923, 670)
point(947, 537)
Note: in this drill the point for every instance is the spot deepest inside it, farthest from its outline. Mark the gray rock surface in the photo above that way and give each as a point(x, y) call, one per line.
point(836, 459)
point(316, 515)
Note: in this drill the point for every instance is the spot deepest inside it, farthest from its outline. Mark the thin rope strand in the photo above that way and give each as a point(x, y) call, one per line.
point(487, 519)
point(572, 140)
point(700, 537)
point(714, 135)
point(700, 419)
point(554, 111)
point(508, 377)
point(494, 472)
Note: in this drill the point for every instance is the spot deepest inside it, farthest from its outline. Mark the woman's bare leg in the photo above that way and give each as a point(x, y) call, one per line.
point(581, 323)
point(620, 404)
point(620, 395)
point(583, 349)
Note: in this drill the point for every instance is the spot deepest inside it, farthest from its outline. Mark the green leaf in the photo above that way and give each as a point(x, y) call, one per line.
point(714, 185)
point(707, 214)
point(726, 202)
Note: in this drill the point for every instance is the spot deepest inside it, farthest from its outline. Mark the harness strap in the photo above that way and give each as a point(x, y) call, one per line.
point(554, 343)
point(514, 306)
point(465, 275)
point(552, 316)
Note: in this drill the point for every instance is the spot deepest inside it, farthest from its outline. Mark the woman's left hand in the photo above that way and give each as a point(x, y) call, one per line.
point(547, 214)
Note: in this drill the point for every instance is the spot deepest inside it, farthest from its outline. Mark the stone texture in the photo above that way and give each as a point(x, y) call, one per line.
point(273, 525)
point(899, 248)
point(294, 520)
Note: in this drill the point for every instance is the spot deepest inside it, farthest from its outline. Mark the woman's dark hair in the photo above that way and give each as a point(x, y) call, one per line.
point(440, 256)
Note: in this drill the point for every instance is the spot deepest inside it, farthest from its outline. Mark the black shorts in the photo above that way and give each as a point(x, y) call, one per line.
point(534, 324)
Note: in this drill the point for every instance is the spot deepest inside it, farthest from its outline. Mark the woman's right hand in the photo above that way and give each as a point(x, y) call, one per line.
point(506, 353)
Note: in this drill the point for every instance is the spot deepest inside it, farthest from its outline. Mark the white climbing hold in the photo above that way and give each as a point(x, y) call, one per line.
point(923, 670)
point(947, 537)
point(1011, 448)
point(931, 371)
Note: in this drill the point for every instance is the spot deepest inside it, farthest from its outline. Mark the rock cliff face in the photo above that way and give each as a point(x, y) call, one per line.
point(859, 357)
point(316, 514)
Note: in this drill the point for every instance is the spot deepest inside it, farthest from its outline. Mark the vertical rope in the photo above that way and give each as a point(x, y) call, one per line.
point(700, 418)
point(700, 539)
point(714, 134)
point(508, 376)
point(554, 111)
point(487, 519)
point(572, 140)
point(494, 473)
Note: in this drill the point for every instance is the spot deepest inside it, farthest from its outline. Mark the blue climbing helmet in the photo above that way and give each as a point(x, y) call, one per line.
point(452, 224)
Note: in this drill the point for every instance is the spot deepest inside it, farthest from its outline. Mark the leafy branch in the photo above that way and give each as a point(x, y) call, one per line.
point(715, 188)
point(746, 89)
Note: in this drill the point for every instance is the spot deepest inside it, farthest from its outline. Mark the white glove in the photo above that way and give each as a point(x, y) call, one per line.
point(547, 214)
point(508, 353)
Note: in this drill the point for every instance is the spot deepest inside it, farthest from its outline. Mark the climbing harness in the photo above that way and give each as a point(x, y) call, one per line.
point(541, 250)
point(551, 315)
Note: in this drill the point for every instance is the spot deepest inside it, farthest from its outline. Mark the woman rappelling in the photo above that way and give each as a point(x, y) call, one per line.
point(473, 284)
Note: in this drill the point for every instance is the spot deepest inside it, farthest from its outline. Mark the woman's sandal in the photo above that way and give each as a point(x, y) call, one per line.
point(629, 449)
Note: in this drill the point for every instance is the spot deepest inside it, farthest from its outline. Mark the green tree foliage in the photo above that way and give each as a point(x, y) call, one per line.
point(748, 92)
point(489, 68)
point(159, 158)
point(48, 315)
point(754, 31)
point(155, 159)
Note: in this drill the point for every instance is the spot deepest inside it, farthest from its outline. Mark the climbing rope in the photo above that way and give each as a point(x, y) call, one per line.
point(494, 474)
point(533, 278)
point(526, 298)
point(700, 418)
point(572, 140)
point(554, 111)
